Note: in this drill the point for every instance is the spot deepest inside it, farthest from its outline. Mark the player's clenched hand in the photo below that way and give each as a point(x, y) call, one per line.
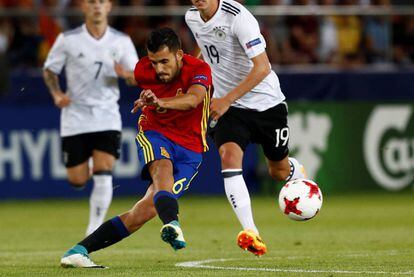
point(139, 103)
point(151, 99)
point(218, 107)
point(147, 97)
point(61, 100)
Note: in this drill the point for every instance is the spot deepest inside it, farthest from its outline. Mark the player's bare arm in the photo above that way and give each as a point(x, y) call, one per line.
point(190, 100)
point(52, 82)
point(260, 69)
point(127, 75)
point(197, 53)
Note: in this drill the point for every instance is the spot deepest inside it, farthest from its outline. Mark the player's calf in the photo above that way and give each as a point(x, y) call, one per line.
point(100, 199)
point(286, 170)
point(279, 174)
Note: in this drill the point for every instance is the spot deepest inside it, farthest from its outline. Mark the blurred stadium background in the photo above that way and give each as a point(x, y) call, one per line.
point(347, 69)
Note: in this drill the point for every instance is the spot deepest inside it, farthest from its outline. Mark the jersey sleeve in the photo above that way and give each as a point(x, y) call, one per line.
point(247, 30)
point(57, 56)
point(186, 18)
point(130, 57)
point(189, 15)
point(202, 76)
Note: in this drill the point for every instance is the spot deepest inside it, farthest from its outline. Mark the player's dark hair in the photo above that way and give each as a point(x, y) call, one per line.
point(162, 37)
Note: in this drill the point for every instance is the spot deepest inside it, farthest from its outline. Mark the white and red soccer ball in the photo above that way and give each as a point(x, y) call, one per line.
point(300, 199)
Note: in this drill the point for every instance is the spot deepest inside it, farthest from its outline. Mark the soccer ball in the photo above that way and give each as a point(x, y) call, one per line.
point(300, 199)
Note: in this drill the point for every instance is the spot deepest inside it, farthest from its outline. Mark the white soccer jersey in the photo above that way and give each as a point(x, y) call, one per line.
point(228, 42)
point(92, 83)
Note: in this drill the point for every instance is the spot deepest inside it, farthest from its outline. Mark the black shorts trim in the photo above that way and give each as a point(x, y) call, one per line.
point(243, 126)
point(78, 148)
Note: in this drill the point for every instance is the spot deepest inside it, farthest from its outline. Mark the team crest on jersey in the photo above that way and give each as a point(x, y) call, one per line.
point(219, 32)
point(164, 152)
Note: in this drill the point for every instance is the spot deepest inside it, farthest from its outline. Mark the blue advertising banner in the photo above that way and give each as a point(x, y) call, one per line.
point(30, 155)
point(31, 166)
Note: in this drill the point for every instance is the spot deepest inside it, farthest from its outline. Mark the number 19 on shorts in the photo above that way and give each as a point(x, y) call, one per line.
point(282, 136)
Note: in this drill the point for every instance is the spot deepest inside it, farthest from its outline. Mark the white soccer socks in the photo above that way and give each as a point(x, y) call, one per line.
point(99, 201)
point(239, 197)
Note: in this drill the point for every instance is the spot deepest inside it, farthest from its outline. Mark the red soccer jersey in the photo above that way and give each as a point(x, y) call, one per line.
point(186, 128)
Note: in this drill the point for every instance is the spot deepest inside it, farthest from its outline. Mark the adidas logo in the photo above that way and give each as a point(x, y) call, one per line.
point(233, 201)
point(81, 55)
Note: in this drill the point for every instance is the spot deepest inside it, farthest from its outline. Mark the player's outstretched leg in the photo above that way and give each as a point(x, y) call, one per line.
point(167, 208)
point(252, 242)
point(110, 232)
point(239, 198)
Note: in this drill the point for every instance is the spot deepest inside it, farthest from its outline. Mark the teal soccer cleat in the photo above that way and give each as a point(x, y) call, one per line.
point(173, 234)
point(77, 256)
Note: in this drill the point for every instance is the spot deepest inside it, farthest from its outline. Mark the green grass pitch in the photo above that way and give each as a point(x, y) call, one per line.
point(354, 235)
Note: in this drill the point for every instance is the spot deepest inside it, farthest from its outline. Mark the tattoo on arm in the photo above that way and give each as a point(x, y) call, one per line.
point(51, 80)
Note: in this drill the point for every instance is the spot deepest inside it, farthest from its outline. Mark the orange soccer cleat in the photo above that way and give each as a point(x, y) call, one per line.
point(250, 241)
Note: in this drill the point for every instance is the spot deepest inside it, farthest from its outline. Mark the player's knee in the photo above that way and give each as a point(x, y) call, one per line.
point(229, 159)
point(279, 174)
point(77, 182)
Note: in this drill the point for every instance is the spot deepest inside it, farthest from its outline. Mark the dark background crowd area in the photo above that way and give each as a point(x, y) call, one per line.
point(339, 40)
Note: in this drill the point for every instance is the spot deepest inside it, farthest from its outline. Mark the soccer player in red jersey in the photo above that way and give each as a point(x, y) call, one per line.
point(175, 108)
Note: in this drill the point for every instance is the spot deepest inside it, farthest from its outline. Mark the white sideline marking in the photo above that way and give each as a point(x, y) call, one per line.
point(201, 264)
